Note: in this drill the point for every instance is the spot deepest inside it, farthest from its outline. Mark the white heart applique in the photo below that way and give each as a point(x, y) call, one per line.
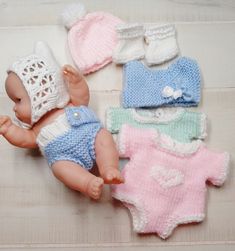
point(166, 177)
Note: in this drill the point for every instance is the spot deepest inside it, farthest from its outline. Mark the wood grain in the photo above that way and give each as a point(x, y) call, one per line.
point(37, 212)
point(36, 208)
point(44, 12)
point(212, 45)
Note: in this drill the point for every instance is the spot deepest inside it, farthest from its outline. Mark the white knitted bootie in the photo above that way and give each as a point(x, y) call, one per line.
point(162, 45)
point(131, 43)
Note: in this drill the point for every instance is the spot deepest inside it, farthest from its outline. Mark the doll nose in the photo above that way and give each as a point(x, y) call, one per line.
point(14, 108)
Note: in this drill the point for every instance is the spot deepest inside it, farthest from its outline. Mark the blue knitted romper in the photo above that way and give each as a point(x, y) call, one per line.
point(178, 85)
point(77, 141)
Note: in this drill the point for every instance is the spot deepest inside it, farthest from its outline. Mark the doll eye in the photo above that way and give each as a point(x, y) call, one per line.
point(18, 99)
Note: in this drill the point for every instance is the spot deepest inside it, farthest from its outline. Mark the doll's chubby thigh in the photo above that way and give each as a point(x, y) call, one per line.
point(104, 138)
point(77, 178)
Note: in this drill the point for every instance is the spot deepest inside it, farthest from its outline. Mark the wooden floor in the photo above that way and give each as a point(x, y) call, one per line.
point(39, 213)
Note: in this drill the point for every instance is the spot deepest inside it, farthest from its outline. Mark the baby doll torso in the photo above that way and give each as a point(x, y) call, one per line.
point(47, 119)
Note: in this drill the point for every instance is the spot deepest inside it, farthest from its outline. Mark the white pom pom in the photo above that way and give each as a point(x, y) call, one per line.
point(72, 13)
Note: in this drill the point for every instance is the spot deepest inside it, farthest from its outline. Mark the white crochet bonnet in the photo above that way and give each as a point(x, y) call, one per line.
point(42, 78)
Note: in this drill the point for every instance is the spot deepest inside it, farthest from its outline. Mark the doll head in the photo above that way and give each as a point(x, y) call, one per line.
point(18, 94)
point(36, 85)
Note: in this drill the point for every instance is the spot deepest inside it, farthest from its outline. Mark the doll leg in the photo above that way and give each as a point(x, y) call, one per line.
point(77, 178)
point(107, 158)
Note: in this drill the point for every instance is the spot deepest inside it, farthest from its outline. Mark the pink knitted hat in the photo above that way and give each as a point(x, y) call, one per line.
point(91, 37)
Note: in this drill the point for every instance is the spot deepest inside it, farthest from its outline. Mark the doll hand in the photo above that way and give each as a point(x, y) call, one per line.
point(71, 75)
point(5, 123)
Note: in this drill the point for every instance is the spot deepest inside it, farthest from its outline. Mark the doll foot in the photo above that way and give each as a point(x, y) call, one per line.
point(112, 176)
point(94, 187)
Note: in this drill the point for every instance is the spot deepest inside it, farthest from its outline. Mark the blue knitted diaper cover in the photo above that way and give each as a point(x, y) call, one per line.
point(71, 137)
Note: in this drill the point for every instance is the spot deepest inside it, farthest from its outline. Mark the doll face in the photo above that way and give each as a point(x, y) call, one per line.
point(17, 93)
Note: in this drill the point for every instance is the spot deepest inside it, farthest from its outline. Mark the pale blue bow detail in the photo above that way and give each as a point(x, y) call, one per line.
point(169, 92)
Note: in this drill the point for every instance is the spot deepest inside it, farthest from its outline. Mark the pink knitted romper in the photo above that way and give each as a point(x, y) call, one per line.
point(165, 181)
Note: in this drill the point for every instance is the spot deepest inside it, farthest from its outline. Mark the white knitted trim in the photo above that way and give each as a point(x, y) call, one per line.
point(173, 223)
point(130, 30)
point(53, 130)
point(175, 147)
point(159, 32)
point(165, 115)
point(203, 126)
point(139, 216)
point(121, 141)
point(220, 181)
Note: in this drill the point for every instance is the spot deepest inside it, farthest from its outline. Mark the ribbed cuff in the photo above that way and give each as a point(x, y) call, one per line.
point(132, 30)
point(159, 32)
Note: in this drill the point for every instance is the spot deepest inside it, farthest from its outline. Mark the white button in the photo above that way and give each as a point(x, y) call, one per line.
point(76, 115)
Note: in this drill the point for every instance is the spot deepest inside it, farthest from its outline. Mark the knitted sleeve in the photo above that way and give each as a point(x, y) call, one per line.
point(116, 117)
point(202, 122)
point(198, 125)
point(216, 166)
point(131, 140)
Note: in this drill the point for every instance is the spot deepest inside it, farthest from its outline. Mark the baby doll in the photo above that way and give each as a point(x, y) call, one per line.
point(67, 132)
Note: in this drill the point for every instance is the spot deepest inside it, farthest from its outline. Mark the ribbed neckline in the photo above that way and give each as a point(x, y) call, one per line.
point(166, 117)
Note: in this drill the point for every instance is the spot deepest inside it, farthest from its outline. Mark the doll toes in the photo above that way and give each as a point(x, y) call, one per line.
point(113, 176)
point(95, 188)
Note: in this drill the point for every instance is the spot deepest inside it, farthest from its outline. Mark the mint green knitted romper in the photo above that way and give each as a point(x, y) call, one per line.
point(180, 124)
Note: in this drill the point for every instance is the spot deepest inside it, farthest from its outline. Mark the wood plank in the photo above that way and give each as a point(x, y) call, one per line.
point(37, 212)
point(44, 12)
point(192, 247)
point(36, 209)
point(212, 45)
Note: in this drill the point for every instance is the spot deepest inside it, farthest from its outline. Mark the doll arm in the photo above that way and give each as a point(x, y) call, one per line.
point(16, 135)
point(77, 86)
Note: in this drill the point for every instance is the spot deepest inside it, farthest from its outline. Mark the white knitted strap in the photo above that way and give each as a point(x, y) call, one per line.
point(126, 31)
point(52, 131)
